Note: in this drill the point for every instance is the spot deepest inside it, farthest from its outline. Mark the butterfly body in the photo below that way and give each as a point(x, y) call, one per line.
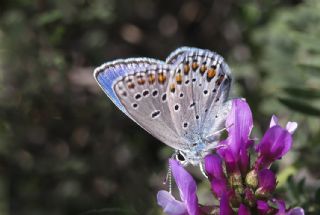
point(181, 101)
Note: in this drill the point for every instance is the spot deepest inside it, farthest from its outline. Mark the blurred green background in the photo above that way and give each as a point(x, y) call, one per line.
point(66, 149)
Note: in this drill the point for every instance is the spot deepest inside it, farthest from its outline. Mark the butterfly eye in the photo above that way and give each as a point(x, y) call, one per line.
point(180, 157)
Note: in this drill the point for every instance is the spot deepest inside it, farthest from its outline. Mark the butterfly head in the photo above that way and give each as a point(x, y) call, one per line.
point(198, 150)
point(194, 156)
point(189, 157)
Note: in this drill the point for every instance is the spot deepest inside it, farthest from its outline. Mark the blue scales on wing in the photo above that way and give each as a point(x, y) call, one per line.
point(107, 74)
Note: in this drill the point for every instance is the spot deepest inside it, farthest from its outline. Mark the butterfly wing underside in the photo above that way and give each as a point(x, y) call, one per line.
point(140, 92)
point(199, 89)
point(180, 101)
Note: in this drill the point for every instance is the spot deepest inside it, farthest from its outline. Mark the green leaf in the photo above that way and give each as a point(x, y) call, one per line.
point(309, 65)
point(303, 92)
point(300, 106)
point(285, 174)
point(49, 17)
point(301, 184)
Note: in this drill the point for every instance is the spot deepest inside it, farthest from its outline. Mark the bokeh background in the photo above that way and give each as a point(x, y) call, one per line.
point(66, 149)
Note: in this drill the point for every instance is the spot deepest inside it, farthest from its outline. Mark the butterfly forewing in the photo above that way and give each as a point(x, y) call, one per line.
point(178, 54)
point(107, 74)
point(143, 94)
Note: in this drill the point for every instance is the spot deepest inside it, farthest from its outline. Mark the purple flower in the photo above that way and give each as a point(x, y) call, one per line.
point(187, 189)
point(275, 143)
point(239, 124)
point(243, 210)
point(282, 209)
point(295, 211)
point(237, 184)
point(267, 183)
point(170, 205)
point(290, 127)
point(249, 197)
point(213, 167)
point(225, 208)
point(262, 207)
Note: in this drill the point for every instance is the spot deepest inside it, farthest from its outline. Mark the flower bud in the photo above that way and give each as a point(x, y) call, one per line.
point(235, 181)
point(263, 207)
point(262, 193)
point(252, 179)
point(249, 197)
point(267, 183)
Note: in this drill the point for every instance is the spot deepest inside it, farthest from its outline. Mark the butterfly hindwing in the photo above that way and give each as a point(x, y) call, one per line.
point(199, 88)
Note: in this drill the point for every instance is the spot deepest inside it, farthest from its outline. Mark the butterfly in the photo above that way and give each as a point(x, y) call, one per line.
point(182, 101)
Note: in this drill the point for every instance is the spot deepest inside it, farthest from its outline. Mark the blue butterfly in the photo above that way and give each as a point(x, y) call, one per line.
point(182, 101)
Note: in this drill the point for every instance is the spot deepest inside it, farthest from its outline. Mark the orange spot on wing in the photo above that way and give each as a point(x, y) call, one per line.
point(178, 78)
point(203, 69)
point(141, 81)
point(151, 78)
point(211, 73)
point(172, 88)
point(195, 65)
point(130, 85)
point(161, 78)
point(186, 69)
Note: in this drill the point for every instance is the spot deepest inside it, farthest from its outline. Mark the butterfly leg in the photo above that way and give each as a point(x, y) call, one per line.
point(168, 178)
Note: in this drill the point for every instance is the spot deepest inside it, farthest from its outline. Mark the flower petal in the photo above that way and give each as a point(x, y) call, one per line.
point(267, 180)
point(243, 210)
point(239, 124)
point(275, 143)
point(295, 211)
point(244, 157)
point(281, 206)
point(213, 166)
point(229, 158)
point(291, 127)
point(187, 187)
point(225, 208)
point(170, 205)
point(219, 187)
point(274, 121)
point(262, 207)
point(234, 149)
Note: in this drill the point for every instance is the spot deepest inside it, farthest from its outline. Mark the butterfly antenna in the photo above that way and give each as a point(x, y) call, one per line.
point(221, 130)
point(209, 138)
point(169, 178)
